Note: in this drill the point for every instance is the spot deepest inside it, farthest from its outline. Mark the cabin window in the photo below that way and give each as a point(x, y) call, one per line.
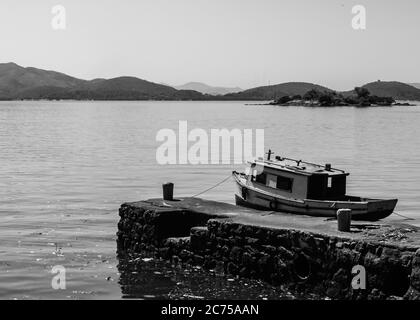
point(329, 182)
point(271, 181)
point(261, 178)
point(284, 183)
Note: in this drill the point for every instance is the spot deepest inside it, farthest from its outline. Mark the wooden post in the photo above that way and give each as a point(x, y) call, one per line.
point(269, 153)
point(168, 191)
point(344, 220)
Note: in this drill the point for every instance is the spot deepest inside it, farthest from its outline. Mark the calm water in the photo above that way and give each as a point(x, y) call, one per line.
point(65, 167)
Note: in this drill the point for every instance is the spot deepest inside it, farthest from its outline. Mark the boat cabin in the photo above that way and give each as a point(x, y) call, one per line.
point(297, 179)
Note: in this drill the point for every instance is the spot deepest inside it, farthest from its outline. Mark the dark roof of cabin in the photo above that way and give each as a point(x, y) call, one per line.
point(300, 167)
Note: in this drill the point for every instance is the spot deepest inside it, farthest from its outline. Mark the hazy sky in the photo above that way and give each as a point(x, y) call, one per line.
point(242, 43)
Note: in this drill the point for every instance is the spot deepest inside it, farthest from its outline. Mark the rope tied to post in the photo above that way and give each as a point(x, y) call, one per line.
point(402, 216)
point(216, 185)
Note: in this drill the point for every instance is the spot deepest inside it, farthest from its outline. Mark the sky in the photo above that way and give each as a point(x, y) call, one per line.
point(245, 43)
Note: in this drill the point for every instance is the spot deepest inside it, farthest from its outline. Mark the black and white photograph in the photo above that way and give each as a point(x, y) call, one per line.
point(210, 157)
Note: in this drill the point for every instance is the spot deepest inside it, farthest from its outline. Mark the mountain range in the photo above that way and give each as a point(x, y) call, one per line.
point(206, 89)
point(17, 82)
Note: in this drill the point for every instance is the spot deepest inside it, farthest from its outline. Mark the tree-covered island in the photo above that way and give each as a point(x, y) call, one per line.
point(358, 97)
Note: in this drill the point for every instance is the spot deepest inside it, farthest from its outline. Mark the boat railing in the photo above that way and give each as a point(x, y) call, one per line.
point(298, 162)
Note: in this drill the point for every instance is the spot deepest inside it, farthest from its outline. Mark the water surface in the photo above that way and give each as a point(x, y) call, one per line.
point(65, 168)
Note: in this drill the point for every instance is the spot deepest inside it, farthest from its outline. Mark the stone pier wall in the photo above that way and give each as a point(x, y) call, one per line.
point(305, 261)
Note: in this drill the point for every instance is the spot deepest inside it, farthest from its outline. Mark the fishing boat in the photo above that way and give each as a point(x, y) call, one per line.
point(298, 187)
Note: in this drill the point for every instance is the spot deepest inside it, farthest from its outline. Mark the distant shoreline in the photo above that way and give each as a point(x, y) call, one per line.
point(19, 83)
point(257, 102)
point(315, 105)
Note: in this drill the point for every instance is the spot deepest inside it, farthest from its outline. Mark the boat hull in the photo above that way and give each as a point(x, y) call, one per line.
point(365, 209)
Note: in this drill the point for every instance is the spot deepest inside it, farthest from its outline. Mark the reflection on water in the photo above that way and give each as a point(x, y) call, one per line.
point(65, 168)
point(147, 278)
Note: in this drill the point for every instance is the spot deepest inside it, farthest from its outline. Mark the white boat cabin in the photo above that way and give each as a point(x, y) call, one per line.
point(297, 179)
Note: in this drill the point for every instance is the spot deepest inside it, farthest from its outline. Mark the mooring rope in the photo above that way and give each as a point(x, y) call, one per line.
point(216, 185)
point(229, 176)
point(408, 218)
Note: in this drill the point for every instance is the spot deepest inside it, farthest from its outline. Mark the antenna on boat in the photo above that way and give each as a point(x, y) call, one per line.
point(269, 153)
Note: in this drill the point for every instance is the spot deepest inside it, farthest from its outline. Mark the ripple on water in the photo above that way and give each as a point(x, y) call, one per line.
point(67, 166)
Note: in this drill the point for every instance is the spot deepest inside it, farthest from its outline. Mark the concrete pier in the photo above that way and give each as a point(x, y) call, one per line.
point(307, 253)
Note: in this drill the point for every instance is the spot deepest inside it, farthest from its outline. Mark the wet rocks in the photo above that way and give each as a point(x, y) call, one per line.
point(414, 291)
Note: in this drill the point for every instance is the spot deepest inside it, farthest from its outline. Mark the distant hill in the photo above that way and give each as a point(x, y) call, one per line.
point(276, 91)
point(415, 85)
point(397, 90)
point(17, 82)
point(124, 88)
point(206, 89)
